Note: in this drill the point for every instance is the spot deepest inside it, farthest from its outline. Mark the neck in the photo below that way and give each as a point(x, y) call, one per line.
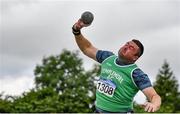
point(123, 61)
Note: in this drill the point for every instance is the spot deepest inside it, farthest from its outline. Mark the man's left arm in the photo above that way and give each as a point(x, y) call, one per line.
point(144, 84)
point(154, 100)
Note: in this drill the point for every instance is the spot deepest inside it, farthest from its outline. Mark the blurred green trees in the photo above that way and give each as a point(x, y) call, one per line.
point(62, 85)
point(166, 86)
point(66, 76)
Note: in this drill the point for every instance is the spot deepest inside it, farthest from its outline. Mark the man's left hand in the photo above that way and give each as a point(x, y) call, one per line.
point(150, 107)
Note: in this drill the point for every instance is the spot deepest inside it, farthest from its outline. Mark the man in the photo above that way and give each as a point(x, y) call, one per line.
point(120, 78)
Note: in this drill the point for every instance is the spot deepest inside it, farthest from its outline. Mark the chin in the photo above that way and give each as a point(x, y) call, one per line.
point(121, 55)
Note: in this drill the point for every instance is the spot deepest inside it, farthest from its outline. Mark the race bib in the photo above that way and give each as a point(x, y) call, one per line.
point(106, 87)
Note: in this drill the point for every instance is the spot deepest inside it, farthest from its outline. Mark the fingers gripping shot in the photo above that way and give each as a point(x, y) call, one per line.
point(85, 20)
point(120, 78)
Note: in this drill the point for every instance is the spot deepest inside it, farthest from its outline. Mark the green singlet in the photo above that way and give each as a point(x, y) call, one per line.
point(115, 88)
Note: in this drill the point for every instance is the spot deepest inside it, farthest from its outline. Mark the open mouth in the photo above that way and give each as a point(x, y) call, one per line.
point(123, 50)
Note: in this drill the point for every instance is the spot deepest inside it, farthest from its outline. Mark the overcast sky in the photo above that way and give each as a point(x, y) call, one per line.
point(31, 29)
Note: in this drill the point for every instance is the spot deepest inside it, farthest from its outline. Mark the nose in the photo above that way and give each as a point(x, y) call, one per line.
point(127, 44)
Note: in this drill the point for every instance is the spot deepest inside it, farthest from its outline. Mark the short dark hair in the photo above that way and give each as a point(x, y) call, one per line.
point(140, 45)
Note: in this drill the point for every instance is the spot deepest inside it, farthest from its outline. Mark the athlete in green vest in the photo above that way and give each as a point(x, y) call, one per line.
point(120, 78)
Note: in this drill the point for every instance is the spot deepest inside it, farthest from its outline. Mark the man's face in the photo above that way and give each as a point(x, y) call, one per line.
point(129, 51)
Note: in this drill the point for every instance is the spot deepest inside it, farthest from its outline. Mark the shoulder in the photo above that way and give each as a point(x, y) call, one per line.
point(141, 79)
point(102, 55)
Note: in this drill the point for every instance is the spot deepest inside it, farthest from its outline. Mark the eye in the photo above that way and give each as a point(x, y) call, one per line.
point(131, 47)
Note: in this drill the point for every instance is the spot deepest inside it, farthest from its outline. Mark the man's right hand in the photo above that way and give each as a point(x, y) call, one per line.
point(78, 25)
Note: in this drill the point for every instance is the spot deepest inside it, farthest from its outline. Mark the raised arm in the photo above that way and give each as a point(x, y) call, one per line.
point(85, 46)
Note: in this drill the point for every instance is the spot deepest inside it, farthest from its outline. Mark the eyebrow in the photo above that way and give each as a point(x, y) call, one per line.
point(132, 46)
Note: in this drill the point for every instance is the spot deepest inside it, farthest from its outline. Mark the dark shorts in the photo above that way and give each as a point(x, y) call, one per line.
point(103, 111)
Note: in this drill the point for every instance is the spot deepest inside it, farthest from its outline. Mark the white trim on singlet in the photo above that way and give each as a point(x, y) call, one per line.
point(122, 65)
point(133, 78)
point(107, 58)
point(127, 66)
